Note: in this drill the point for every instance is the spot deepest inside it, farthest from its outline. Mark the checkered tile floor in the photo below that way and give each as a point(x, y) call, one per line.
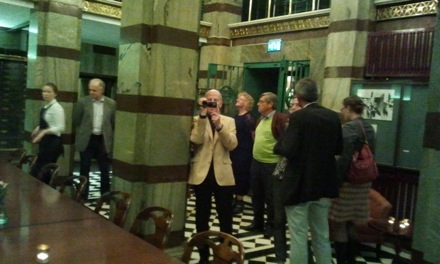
point(258, 249)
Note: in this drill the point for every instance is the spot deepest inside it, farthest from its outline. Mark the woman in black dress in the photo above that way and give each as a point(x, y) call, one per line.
point(241, 156)
point(48, 132)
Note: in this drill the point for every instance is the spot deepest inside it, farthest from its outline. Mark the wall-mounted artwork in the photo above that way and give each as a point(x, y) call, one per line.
point(379, 103)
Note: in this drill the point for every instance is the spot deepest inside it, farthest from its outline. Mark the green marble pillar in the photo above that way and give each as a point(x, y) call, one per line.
point(155, 97)
point(346, 48)
point(427, 220)
point(217, 14)
point(53, 56)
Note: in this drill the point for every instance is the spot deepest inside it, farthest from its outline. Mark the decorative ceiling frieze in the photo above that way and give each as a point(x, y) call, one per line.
point(280, 26)
point(102, 9)
point(408, 10)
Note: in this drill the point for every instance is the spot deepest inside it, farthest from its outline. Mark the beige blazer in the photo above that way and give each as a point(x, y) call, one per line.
point(213, 148)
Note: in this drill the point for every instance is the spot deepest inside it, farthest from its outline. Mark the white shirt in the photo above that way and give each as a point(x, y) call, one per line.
point(55, 118)
point(98, 112)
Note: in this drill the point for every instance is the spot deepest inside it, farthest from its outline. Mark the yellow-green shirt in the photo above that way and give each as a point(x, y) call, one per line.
point(265, 142)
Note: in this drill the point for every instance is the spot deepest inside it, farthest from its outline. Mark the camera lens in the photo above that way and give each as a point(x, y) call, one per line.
point(211, 104)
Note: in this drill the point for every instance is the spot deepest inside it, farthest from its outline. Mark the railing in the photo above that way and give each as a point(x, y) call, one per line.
point(399, 187)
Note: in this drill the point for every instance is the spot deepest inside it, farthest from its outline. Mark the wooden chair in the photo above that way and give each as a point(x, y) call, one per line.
point(121, 201)
point(77, 185)
point(27, 159)
point(48, 172)
point(162, 218)
point(16, 155)
point(226, 248)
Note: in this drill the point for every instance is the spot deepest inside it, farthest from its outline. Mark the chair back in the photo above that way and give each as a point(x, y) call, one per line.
point(77, 183)
point(27, 159)
point(162, 217)
point(16, 155)
point(48, 172)
point(121, 202)
point(226, 248)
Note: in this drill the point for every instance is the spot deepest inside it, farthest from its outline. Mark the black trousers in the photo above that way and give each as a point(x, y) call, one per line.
point(223, 196)
point(50, 149)
point(262, 192)
point(96, 149)
point(279, 223)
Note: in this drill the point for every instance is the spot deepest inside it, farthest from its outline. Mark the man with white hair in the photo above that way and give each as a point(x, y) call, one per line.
point(213, 136)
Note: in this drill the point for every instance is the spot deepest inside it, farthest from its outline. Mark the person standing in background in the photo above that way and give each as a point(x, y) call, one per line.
point(352, 205)
point(270, 128)
point(94, 118)
point(279, 223)
point(213, 136)
point(241, 156)
point(311, 144)
point(48, 132)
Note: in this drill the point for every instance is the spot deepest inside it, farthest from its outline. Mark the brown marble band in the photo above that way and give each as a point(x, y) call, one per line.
point(431, 137)
point(147, 34)
point(62, 96)
point(150, 174)
point(59, 8)
point(222, 7)
point(351, 25)
point(220, 74)
point(58, 52)
point(155, 105)
point(219, 42)
point(68, 139)
point(344, 72)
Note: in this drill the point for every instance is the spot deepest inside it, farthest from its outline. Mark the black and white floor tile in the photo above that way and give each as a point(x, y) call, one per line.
point(258, 250)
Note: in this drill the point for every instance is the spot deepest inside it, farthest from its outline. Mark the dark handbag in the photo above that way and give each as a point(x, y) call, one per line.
point(363, 167)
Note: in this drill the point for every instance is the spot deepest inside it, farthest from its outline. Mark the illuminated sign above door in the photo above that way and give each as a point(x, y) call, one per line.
point(274, 45)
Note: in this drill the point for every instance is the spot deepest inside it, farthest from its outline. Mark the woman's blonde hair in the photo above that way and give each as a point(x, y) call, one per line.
point(249, 101)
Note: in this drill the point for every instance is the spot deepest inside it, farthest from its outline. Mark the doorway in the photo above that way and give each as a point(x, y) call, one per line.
point(276, 77)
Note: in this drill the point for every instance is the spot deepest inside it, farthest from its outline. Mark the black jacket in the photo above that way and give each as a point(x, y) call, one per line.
point(311, 141)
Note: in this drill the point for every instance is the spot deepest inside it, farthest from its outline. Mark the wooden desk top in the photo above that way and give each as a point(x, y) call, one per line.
point(38, 214)
point(86, 241)
point(32, 202)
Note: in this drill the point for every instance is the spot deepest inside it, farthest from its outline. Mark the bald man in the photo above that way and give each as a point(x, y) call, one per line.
point(213, 136)
point(94, 119)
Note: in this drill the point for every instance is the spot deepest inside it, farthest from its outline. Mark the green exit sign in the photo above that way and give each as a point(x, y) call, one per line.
point(274, 45)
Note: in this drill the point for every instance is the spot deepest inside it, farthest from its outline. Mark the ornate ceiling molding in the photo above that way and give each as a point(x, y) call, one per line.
point(102, 9)
point(280, 26)
point(408, 10)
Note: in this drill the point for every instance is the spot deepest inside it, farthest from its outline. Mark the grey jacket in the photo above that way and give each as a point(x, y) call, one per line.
point(83, 121)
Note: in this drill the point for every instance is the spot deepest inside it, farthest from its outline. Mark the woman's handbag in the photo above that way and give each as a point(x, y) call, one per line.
point(363, 167)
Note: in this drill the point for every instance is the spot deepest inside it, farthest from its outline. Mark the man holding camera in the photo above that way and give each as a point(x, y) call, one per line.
point(213, 136)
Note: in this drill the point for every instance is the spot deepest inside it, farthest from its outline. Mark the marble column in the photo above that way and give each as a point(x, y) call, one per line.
point(219, 13)
point(157, 73)
point(53, 56)
point(346, 47)
point(427, 220)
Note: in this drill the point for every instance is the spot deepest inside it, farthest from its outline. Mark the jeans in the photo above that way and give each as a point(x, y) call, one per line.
point(313, 214)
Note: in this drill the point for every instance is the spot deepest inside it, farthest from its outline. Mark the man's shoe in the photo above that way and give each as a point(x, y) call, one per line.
point(254, 227)
point(238, 207)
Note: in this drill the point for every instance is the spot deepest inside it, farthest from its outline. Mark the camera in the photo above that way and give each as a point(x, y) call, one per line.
point(209, 104)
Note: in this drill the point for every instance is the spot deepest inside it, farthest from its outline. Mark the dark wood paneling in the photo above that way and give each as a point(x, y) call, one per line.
point(405, 53)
